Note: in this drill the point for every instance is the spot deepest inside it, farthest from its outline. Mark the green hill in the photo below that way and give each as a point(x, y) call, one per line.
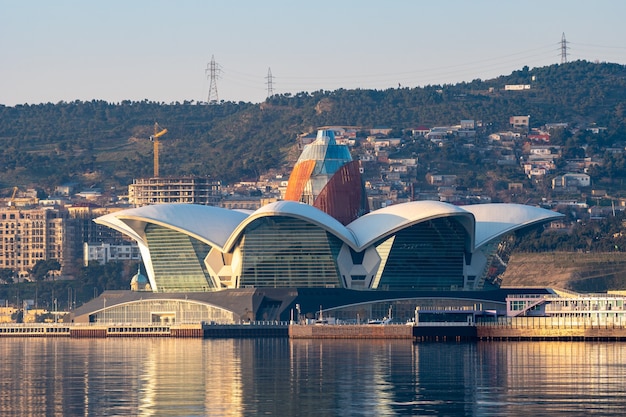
point(102, 144)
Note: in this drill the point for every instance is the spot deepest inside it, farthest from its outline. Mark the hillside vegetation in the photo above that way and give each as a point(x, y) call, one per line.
point(580, 272)
point(102, 144)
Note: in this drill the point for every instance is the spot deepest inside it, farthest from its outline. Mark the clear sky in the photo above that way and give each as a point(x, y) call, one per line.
point(114, 50)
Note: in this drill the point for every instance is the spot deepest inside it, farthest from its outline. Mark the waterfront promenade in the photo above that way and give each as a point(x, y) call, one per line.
point(97, 330)
point(520, 328)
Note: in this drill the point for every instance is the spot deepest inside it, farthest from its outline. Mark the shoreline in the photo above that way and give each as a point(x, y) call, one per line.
point(438, 332)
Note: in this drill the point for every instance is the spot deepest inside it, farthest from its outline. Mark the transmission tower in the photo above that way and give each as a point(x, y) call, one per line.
point(212, 70)
point(563, 49)
point(270, 81)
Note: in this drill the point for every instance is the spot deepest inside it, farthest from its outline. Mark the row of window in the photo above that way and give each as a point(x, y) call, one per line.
point(28, 216)
point(34, 241)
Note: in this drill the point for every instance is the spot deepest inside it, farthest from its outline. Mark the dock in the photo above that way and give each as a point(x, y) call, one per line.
point(544, 328)
point(356, 331)
point(98, 331)
point(528, 328)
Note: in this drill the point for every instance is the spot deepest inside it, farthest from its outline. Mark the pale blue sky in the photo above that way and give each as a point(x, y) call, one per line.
point(114, 50)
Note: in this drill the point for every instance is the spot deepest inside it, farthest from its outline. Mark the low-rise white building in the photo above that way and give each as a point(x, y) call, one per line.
point(105, 252)
point(571, 180)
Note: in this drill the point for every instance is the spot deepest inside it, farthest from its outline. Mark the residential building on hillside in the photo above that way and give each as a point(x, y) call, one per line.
point(516, 87)
point(571, 181)
point(519, 122)
point(420, 131)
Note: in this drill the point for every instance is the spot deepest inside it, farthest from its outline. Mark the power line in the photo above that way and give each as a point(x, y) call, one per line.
point(213, 70)
point(474, 67)
point(270, 82)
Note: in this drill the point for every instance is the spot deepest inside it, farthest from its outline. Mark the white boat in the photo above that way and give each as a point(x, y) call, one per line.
point(385, 320)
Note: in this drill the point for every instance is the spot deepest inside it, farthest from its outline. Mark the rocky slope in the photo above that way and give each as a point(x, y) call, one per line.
point(583, 272)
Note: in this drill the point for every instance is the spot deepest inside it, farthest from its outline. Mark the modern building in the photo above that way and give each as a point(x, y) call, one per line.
point(213, 264)
point(421, 245)
point(165, 190)
point(326, 177)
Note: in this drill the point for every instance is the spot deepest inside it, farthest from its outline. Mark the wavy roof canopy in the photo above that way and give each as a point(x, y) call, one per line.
point(300, 211)
point(222, 227)
point(388, 220)
point(496, 219)
point(213, 225)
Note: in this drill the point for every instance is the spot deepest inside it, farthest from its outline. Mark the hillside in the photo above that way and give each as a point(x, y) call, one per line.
point(581, 272)
point(100, 144)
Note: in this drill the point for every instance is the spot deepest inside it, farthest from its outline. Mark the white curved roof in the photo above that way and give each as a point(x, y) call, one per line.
point(495, 219)
point(300, 211)
point(212, 225)
point(388, 220)
point(113, 222)
point(222, 227)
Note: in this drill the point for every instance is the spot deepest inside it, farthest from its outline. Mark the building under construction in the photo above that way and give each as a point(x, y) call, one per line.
point(161, 190)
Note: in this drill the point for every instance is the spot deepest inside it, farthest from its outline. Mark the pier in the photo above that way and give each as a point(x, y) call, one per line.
point(356, 331)
point(519, 328)
point(99, 331)
point(550, 328)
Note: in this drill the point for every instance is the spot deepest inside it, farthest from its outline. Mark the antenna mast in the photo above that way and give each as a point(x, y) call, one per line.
point(270, 80)
point(212, 71)
point(563, 49)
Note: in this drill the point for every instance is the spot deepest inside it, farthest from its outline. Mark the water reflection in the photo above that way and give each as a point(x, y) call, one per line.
point(249, 377)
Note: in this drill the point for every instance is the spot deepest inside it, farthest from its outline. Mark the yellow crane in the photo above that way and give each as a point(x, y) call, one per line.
point(12, 200)
point(158, 132)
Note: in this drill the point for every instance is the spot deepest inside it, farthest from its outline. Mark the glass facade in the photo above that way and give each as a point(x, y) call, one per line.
point(498, 251)
point(164, 312)
point(287, 252)
point(426, 256)
point(404, 310)
point(178, 261)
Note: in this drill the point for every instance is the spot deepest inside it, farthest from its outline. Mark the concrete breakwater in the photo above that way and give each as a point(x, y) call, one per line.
point(203, 330)
point(195, 330)
point(356, 331)
point(437, 332)
point(544, 331)
point(101, 330)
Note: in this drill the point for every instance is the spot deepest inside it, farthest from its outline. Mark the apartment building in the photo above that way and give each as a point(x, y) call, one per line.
point(31, 235)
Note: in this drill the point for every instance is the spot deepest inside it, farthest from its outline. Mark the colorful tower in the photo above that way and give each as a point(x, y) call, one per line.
point(327, 178)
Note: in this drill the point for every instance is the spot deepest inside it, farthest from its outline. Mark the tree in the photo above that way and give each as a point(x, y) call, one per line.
point(7, 275)
point(41, 269)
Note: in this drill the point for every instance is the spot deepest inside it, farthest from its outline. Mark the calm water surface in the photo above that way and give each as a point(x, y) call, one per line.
point(281, 377)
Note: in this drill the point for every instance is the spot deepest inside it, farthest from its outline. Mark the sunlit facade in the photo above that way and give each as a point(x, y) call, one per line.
point(421, 245)
point(326, 177)
point(321, 238)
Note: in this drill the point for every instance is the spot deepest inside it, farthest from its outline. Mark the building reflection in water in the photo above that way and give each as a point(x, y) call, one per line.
point(242, 377)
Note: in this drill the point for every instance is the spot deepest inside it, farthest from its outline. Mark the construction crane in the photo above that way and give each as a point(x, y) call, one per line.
point(12, 200)
point(155, 139)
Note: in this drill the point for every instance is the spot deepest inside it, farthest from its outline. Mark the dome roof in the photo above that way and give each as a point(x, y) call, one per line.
point(139, 278)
